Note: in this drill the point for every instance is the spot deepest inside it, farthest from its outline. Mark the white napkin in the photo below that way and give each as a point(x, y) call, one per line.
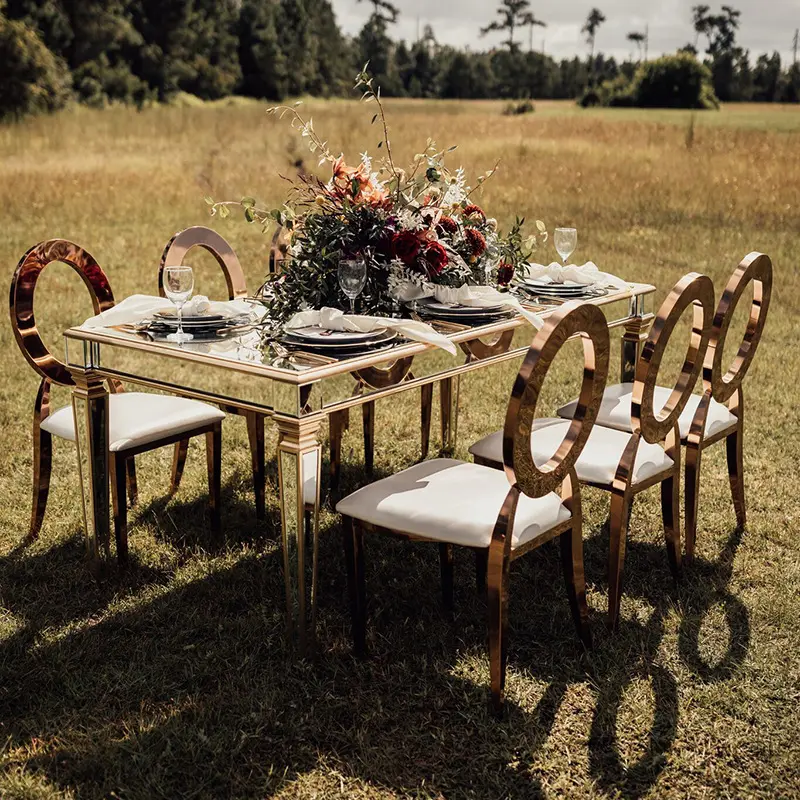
point(586, 275)
point(139, 307)
point(466, 295)
point(336, 320)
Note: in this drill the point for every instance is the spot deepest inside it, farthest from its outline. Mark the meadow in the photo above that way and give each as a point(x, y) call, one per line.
point(171, 679)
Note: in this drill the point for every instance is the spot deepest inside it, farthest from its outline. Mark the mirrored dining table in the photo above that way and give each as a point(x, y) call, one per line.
point(301, 393)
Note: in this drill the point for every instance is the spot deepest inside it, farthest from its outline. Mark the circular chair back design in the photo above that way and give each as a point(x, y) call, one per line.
point(572, 318)
point(23, 286)
point(696, 290)
point(755, 267)
point(198, 236)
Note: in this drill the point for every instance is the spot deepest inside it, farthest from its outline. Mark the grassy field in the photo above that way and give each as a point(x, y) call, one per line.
point(171, 680)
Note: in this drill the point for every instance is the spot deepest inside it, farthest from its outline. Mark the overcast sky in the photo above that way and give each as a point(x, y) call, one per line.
point(766, 25)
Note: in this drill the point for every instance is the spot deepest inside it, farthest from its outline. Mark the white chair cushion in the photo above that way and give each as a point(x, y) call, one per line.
point(615, 410)
point(136, 418)
point(598, 460)
point(451, 501)
point(310, 478)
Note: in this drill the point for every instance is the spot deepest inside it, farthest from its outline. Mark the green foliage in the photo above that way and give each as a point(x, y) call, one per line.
point(34, 80)
point(676, 81)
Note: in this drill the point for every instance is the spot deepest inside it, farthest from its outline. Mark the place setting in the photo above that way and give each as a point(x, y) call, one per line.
point(557, 283)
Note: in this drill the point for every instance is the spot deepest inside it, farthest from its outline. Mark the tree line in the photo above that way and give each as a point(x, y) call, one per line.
point(138, 51)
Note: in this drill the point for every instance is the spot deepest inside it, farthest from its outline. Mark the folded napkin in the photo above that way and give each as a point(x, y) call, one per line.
point(139, 307)
point(336, 320)
point(587, 275)
point(466, 295)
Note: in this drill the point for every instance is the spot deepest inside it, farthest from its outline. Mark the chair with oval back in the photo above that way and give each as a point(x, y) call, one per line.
point(626, 462)
point(722, 391)
point(138, 422)
point(174, 253)
point(500, 514)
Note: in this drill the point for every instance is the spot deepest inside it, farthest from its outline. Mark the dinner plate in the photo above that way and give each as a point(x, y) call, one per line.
point(455, 308)
point(326, 345)
point(313, 333)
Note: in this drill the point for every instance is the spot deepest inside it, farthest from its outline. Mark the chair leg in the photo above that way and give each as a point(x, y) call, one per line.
point(255, 433)
point(575, 579)
point(42, 464)
point(426, 411)
point(118, 467)
point(733, 449)
point(178, 462)
point(691, 490)
point(214, 463)
point(368, 417)
point(481, 565)
point(618, 532)
point(353, 538)
point(133, 486)
point(446, 569)
point(497, 595)
point(670, 514)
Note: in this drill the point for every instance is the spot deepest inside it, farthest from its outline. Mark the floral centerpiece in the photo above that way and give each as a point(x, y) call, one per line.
point(417, 229)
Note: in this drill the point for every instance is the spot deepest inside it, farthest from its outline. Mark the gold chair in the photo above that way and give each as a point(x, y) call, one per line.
point(457, 503)
point(174, 253)
point(626, 462)
point(718, 413)
point(138, 422)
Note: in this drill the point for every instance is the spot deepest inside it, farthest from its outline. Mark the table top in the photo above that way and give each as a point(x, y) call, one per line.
point(245, 353)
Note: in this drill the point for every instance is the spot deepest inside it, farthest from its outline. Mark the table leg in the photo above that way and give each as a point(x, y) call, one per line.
point(90, 409)
point(633, 337)
point(448, 397)
point(339, 423)
point(298, 438)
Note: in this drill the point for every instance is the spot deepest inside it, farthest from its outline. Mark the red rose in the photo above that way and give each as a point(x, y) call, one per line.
point(448, 225)
point(475, 241)
point(405, 246)
point(474, 211)
point(505, 272)
point(436, 256)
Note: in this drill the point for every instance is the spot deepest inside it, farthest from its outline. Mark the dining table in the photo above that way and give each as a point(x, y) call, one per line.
point(301, 393)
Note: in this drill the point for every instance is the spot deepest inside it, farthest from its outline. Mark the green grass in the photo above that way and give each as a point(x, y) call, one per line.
point(171, 680)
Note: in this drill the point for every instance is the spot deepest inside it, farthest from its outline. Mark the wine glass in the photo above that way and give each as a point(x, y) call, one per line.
point(178, 287)
point(352, 277)
point(565, 240)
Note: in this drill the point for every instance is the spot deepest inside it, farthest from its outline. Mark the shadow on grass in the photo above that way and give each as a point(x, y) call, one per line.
point(189, 691)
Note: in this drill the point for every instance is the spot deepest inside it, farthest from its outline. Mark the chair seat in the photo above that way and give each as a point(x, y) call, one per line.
point(615, 410)
point(136, 419)
point(599, 459)
point(451, 501)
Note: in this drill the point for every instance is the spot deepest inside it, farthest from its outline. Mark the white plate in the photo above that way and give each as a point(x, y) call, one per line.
point(455, 309)
point(324, 336)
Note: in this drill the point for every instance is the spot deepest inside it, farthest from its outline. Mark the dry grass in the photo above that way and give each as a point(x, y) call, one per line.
point(172, 680)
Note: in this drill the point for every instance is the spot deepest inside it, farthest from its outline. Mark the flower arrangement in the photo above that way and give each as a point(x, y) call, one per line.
point(415, 228)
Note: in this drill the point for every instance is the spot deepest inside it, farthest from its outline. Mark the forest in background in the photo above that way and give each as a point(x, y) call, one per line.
point(140, 51)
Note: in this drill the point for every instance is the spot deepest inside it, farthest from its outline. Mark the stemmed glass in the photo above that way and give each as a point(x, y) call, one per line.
point(352, 277)
point(565, 240)
point(178, 287)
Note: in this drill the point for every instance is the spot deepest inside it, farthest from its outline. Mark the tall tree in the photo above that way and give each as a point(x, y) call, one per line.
point(701, 21)
point(513, 14)
point(594, 20)
point(384, 9)
point(638, 38)
point(531, 21)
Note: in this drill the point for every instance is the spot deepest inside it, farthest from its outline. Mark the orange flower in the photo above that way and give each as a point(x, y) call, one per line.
point(355, 183)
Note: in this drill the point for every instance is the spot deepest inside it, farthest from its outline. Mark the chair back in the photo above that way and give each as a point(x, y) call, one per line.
point(198, 236)
point(695, 290)
point(755, 267)
point(23, 286)
point(571, 319)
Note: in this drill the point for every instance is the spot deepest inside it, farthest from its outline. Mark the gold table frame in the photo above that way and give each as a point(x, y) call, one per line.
point(300, 401)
